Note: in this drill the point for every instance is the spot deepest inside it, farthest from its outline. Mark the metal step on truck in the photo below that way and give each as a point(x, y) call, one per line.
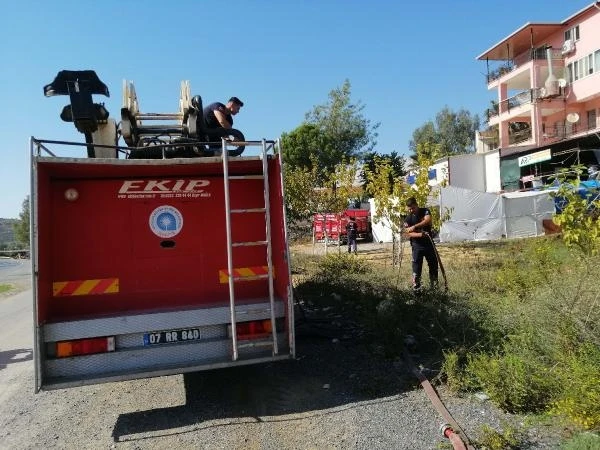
point(165, 255)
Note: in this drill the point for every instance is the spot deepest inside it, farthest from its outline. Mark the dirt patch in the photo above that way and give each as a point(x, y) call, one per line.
point(378, 252)
point(459, 255)
point(10, 289)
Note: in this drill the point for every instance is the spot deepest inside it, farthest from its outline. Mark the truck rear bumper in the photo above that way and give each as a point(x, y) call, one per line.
point(135, 357)
point(133, 365)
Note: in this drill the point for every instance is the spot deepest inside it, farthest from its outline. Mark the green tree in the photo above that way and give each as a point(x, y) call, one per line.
point(425, 134)
point(303, 196)
point(390, 194)
point(21, 227)
point(453, 133)
point(396, 163)
point(334, 132)
point(578, 218)
point(299, 185)
point(303, 145)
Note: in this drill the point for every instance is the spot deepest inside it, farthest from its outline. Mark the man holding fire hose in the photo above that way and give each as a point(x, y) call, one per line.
point(417, 227)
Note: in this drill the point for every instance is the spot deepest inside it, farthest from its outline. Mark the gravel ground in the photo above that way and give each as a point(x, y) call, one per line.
point(338, 394)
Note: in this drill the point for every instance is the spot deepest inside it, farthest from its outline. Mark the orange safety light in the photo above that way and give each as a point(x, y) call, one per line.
point(253, 330)
point(78, 347)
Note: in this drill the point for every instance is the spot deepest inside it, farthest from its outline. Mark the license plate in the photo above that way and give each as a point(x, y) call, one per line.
point(172, 336)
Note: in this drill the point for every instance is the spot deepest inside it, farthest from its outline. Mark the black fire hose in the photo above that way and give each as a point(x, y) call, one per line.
point(439, 260)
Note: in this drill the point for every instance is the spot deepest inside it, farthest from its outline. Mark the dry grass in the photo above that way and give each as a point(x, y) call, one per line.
point(4, 288)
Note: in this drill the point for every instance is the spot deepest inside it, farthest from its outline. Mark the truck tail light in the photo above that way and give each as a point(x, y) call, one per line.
point(80, 347)
point(253, 330)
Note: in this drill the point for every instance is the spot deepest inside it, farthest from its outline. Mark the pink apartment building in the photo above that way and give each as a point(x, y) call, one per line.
point(547, 76)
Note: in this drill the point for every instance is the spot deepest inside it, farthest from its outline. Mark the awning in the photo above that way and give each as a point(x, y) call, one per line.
point(516, 150)
point(520, 41)
point(590, 142)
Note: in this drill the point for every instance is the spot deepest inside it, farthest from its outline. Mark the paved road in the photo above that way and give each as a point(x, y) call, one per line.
point(15, 315)
point(16, 342)
point(15, 272)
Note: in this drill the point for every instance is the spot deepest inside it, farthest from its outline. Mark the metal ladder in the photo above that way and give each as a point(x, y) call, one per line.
point(232, 245)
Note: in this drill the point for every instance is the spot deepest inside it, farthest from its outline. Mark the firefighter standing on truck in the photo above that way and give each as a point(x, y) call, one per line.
point(352, 232)
point(218, 115)
point(418, 227)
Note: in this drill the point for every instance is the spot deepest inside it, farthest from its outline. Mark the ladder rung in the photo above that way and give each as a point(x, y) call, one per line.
point(261, 343)
point(250, 278)
point(246, 177)
point(249, 210)
point(248, 244)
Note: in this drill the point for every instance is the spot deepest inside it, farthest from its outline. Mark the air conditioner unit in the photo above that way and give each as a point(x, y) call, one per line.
point(568, 46)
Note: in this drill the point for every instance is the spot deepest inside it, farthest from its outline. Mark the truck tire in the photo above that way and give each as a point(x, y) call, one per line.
point(215, 135)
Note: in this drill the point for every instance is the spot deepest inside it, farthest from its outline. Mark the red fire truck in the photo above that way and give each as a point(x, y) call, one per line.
point(146, 261)
point(332, 227)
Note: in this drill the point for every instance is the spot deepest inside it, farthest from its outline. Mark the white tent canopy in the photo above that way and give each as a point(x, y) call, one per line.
point(478, 215)
point(382, 230)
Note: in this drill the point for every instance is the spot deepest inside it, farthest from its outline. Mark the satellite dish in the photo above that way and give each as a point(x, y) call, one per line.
point(562, 82)
point(573, 117)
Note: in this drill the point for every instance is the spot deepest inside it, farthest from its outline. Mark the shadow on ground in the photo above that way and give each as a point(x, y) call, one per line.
point(333, 369)
point(15, 356)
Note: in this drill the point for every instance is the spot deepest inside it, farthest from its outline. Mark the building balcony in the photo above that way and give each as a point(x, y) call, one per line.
point(516, 72)
point(487, 140)
point(521, 137)
point(518, 105)
point(490, 140)
point(500, 71)
point(569, 131)
point(521, 104)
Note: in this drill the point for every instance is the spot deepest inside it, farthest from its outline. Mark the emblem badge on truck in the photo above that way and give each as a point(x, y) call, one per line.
point(166, 221)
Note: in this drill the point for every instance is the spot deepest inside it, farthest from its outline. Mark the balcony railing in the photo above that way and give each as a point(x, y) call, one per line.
point(537, 54)
point(492, 144)
point(513, 138)
point(556, 133)
point(523, 58)
point(519, 136)
point(520, 99)
point(492, 112)
point(499, 71)
point(492, 140)
point(560, 132)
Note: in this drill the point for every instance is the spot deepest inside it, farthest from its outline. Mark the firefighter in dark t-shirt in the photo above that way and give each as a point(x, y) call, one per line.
point(351, 233)
point(218, 115)
point(418, 227)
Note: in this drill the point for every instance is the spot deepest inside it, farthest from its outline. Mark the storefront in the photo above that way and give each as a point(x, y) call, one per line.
point(530, 168)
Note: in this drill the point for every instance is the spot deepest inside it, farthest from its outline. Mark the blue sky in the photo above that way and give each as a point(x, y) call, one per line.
point(405, 61)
